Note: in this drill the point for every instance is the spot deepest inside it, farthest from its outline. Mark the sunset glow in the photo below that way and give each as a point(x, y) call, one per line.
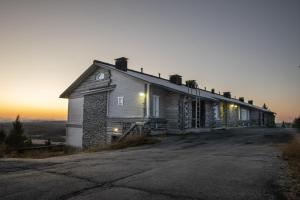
point(46, 45)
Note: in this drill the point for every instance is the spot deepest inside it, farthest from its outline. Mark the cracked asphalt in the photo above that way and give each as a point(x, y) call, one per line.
point(223, 164)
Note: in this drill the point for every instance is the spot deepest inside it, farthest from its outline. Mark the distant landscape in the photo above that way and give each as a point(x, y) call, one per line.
point(41, 130)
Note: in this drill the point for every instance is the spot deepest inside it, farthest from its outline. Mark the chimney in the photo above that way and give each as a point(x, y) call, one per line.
point(121, 63)
point(191, 84)
point(227, 94)
point(250, 102)
point(142, 70)
point(158, 75)
point(213, 90)
point(177, 79)
point(241, 99)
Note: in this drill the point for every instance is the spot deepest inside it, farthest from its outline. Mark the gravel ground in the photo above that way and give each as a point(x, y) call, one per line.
point(222, 164)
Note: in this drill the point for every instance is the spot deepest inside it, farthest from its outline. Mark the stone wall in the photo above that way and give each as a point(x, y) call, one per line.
point(233, 118)
point(185, 112)
point(209, 115)
point(224, 113)
point(94, 119)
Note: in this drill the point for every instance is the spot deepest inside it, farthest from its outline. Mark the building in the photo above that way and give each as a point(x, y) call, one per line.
point(108, 100)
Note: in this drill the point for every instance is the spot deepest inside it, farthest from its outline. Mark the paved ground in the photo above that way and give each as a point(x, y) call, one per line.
point(232, 164)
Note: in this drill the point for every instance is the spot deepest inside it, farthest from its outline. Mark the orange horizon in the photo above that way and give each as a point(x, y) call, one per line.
point(31, 113)
point(40, 113)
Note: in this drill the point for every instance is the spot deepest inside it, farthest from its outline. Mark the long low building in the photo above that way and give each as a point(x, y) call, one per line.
point(108, 101)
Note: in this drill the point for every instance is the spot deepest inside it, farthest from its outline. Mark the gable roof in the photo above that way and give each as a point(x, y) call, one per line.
point(156, 81)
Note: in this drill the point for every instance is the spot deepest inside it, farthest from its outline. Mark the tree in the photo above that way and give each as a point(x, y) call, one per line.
point(265, 106)
point(296, 123)
point(16, 138)
point(283, 125)
point(2, 136)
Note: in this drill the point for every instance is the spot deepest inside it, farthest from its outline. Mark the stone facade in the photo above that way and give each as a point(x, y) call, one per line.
point(94, 119)
point(209, 114)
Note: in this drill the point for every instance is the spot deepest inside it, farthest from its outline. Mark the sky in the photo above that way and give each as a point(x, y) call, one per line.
point(251, 48)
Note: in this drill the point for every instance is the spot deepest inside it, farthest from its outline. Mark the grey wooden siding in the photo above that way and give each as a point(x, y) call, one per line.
point(172, 110)
point(91, 83)
point(129, 88)
point(75, 111)
point(163, 100)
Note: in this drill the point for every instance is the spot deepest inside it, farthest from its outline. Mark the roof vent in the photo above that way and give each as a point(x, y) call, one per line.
point(241, 99)
point(213, 90)
point(177, 79)
point(121, 63)
point(191, 84)
point(250, 102)
point(227, 94)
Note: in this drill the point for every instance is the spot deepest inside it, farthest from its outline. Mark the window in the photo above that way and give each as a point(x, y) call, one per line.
point(245, 114)
point(120, 101)
point(155, 106)
point(100, 76)
point(216, 112)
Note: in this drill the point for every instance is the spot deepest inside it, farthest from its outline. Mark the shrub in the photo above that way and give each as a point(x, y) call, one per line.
point(16, 139)
point(291, 153)
point(292, 150)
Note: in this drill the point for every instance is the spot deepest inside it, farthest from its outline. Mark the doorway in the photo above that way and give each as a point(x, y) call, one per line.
point(202, 114)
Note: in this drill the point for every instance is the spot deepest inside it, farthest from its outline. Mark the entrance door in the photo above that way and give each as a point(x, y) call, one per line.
point(155, 106)
point(202, 114)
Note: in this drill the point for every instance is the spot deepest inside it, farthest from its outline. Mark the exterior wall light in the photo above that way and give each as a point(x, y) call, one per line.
point(115, 129)
point(142, 94)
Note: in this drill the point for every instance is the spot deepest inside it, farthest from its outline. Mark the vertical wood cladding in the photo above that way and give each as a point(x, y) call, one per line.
point(94, 119)
point(91, 83)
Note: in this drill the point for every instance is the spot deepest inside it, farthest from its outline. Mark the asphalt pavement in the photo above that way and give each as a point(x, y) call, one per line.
point(222, 164)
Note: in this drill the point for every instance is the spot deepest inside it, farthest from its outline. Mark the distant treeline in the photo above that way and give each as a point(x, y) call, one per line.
point(54, 130)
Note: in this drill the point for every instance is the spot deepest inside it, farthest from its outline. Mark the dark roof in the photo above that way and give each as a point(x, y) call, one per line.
point(157, 81)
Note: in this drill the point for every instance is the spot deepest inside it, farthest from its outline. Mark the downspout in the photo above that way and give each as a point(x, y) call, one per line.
point(148, 101)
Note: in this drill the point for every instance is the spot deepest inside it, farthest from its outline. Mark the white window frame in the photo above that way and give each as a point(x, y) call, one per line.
point(100, 76)
point(120, 101)
point(155, 106)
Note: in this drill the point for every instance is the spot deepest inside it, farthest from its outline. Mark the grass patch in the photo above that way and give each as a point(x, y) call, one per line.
point(291, 153)
point(130, 141)
point(37, 153)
